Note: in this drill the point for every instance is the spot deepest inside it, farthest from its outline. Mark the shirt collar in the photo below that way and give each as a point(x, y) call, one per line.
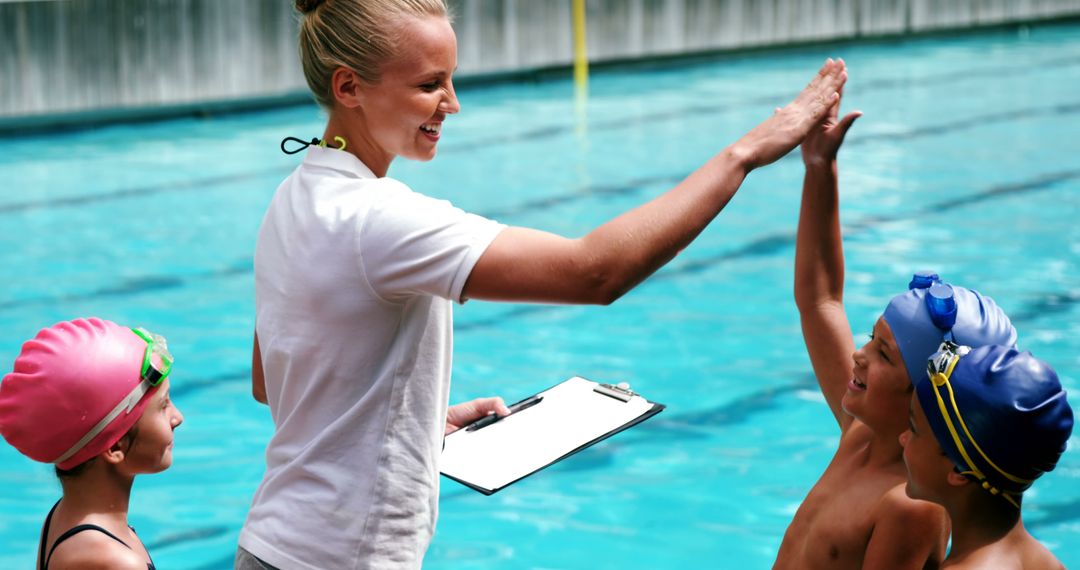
point(342, 161)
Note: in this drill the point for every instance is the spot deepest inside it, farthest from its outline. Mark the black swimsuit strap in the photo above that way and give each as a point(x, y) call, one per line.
point(44, 560)
point(45, 535)
point(76, 530)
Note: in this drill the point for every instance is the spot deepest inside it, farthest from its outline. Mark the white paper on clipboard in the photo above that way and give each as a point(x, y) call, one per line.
point(571, 416)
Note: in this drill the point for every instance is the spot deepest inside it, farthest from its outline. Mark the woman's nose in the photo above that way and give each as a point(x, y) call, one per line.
point(450, 104)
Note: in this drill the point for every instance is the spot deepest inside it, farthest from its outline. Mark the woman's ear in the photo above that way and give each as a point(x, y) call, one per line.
point(348, 88)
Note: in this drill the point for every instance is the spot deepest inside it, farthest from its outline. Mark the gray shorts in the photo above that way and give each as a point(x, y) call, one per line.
point(247, 561)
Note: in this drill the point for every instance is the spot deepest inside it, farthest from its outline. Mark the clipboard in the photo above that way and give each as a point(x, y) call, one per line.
point(543, 429)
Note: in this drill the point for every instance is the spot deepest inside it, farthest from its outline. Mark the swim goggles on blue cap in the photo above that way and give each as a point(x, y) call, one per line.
point(940, 368)
point(152, 373)
point(940, 300)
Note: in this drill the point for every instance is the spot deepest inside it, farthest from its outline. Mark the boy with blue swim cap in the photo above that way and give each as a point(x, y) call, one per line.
point(984, 424)
point(932, 311)
point(858, 514)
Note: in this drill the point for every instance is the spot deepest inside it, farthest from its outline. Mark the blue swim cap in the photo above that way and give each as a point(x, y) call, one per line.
point(931, 310)
point(999, 414)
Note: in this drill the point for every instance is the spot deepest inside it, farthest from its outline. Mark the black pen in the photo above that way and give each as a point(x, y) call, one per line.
point(492, 418)
point(526, 403)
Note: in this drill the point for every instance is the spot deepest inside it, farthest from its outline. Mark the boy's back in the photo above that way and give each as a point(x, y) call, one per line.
point(1020, 552)
point(993, 562)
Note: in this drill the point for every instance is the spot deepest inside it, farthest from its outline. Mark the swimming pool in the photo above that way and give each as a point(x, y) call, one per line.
point(965, 162)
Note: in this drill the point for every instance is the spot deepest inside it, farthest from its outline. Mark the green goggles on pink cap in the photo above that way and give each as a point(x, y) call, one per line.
point(155, 345)
point(153, 372)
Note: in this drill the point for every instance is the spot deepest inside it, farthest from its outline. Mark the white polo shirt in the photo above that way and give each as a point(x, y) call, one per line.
point(354, 277)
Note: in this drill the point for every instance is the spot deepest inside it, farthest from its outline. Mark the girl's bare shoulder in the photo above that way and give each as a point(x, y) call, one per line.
point(93, 550)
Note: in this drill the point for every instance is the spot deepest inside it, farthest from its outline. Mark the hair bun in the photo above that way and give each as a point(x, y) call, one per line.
point(306, 6)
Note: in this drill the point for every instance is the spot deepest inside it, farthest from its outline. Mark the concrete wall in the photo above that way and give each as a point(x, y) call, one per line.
point(497, 35)
point(63, 56)
point(82, 59)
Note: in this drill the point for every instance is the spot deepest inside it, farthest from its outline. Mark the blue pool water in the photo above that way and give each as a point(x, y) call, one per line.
point(966, 161)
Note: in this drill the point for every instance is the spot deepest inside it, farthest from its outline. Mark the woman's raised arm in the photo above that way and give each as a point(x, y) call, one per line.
point(530, 265)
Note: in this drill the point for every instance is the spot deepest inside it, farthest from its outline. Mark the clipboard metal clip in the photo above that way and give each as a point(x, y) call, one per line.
point(620, 391)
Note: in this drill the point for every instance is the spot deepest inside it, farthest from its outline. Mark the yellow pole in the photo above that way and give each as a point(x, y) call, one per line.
point(581, 58)
point(581, 90)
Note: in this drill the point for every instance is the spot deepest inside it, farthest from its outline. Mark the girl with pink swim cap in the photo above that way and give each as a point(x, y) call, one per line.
point(91, 397)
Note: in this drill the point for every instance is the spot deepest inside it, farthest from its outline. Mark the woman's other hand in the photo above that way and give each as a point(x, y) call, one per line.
point(461, 415)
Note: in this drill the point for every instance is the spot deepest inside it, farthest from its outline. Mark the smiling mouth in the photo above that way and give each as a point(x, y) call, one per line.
point(856, 384)
point(432, 128)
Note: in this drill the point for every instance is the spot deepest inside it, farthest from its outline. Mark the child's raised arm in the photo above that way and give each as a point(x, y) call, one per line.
point(819, 263)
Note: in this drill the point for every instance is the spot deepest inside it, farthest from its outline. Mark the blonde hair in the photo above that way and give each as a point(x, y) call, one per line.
point(355, 34)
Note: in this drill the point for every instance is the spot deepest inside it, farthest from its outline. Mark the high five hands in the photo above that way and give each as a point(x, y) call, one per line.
point(790, 125)
point(821, 144)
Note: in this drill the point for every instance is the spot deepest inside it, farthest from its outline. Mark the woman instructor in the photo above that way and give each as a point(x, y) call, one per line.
point(355, 276)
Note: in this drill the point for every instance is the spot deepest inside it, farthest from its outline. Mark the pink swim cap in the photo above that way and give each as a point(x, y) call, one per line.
point(65, 381)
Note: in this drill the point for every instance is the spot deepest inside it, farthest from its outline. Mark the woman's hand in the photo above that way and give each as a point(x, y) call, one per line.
point(824, 140)
point(461, 415)
point(782, 132)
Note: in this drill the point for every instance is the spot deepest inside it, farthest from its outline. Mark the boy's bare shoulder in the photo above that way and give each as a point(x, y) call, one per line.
point(1000, 557)
point(907, 533)
point(854, 437)
point(896, 505)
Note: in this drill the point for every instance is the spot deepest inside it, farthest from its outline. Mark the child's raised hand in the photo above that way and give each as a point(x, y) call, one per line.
point(820, 146)
point(782, 132)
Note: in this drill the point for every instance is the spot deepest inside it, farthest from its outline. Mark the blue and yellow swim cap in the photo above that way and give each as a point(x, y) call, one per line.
point(932, 311)
point(998, 413)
